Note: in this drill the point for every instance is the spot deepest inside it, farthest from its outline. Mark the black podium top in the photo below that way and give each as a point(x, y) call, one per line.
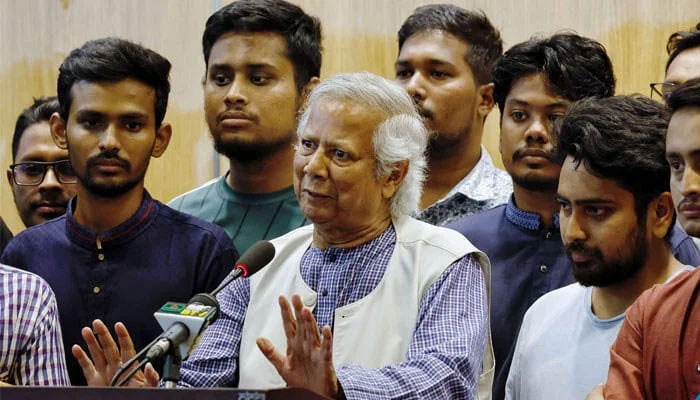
point(110, 393)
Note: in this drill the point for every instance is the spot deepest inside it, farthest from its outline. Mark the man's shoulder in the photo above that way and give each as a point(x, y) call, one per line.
point(481, 222)
point(550, 312)
point(23, 279)
point(670, 295)
point(39, 235)
point(193, 200)
point(190, 224)
point(563, 298)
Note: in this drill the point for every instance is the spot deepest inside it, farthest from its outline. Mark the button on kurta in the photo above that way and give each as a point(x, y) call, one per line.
point(101, 257)
point(543, 269)
point(96, 290)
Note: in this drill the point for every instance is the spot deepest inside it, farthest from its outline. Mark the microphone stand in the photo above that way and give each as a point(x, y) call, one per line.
point(171, 370)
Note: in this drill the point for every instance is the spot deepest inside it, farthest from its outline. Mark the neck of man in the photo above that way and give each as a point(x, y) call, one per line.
point(449, 165)
point(348, 238)
point(267, 175)
point(104, 213)
point(543, 203)
point(608, 302)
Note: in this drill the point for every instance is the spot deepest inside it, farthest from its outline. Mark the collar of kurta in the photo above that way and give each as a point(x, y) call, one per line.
point(525, 219)
point(122, 233)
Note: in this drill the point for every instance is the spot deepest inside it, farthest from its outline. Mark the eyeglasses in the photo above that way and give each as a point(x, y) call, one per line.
point(662, 89)
point(32, 173)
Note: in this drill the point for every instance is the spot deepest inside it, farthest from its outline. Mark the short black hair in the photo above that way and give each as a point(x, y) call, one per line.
point(485, 44)
point(681, 41)
point(113, 60)
point(301, 31)
point(621, 138)
point(38, 112)
point(685, 95)
point(576, 67)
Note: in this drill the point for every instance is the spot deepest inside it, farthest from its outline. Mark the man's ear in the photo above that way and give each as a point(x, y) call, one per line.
point(661, 214)
point(394, 180)
point(58, 130)
point(306, 90)
point(10, 179)
point(486, 100)
point(163, 135)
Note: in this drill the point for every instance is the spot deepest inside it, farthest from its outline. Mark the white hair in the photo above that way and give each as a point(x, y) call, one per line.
point(401, 136)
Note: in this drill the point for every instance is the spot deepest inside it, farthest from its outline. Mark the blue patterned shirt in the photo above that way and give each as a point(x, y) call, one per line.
point(484, 187)
point(445, 354)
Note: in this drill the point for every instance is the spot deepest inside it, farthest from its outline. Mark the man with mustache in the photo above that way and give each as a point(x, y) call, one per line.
point(656, 353)
point(41, 176)
point(117, 254)
point(262, 58)
point(535, 83)
point(616, 220)
point(446, 56)
point(403, 305)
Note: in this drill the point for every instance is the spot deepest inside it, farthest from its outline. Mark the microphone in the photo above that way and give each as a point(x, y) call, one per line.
point(184, 323)
point(180, 320)
point(257, 256)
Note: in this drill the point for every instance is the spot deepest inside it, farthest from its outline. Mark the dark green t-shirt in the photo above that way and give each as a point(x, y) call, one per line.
point(246, 218)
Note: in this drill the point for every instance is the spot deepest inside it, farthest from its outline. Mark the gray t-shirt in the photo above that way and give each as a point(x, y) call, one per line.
point(563, 349)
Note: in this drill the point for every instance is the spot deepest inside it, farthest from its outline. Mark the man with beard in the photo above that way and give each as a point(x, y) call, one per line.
point(616, 219)
point(656, 353)
point(41, 176)
point(403, 305)
point(446, 56)
point(535, 83)
point(262, 58)
point(117, 254)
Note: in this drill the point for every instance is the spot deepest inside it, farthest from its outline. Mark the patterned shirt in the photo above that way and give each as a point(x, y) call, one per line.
point(31, 350)
point(483, 188)
point(445, 354)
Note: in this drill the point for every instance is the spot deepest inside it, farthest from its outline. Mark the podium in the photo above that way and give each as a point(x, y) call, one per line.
point(111, 393)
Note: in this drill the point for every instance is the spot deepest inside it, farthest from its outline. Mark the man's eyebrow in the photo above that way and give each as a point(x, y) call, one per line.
point(88, 113)
point(594, 200)
point(675, 154)
point(431, 61)
point(134, 115)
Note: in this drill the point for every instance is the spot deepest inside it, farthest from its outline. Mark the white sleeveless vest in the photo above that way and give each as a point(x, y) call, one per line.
point(372, 332)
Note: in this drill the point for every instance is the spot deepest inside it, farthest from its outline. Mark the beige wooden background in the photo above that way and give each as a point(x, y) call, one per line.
point(35, 35)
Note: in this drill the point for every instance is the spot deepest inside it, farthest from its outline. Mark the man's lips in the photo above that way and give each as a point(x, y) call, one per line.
point(580, 257)
point(234, 119)
point(109, 165)
point(50, 208)
point(689, 210)
point(316, 195)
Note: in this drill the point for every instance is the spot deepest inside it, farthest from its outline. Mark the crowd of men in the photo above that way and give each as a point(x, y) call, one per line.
point(406, 264)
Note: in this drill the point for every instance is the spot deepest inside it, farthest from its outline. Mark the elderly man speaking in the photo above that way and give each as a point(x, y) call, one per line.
point(403, 304)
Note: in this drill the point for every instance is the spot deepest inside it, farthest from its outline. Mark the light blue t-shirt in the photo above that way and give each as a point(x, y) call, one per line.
point(563, 349)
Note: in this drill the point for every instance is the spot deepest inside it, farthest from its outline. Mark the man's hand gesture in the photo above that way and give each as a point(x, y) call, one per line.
point(308, 362)
point(107, 358)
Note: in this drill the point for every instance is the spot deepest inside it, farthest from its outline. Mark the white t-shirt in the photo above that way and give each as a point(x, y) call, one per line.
point(563, 349)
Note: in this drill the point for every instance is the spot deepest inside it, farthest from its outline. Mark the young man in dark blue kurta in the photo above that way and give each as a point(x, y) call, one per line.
point(117, 254)
point(535, 83)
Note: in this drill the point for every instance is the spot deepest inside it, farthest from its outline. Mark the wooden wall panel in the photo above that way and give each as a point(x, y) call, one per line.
point(359, 35)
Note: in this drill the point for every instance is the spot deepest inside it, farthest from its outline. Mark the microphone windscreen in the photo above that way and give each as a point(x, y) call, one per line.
point(256, 257)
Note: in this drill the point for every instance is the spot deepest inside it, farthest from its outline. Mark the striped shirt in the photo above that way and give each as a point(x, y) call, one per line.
point(246, 217)
point(444, 357)
point(31, 349)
